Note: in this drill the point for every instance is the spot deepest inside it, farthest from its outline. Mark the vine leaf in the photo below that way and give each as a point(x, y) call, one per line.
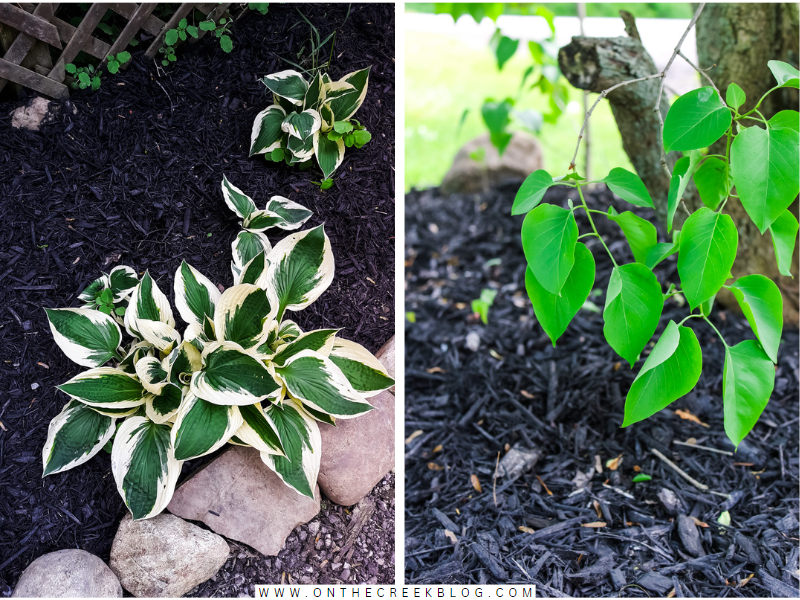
point(531, 192)
point(633, 308)
point(681, 175)
point(628, 186)
point(707, 250)
point(747, 383)
point(764, 169)
point(554, 312)
point(762, 305)
point(696, 120)
point(711, 179)
point(671, 371)
point(640, 233)
point(784, 236)
point(549, 237)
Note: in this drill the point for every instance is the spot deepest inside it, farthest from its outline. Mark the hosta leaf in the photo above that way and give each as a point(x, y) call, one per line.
point(531, 192)
point(300, 150)
point(554, 312)
point(681, 176)
point(762, 305)
point(784, 236)
point(707, 251)
point(785, 119)
point(162, 407)
point(302, 445)
point(261, 220)
point(317, 382)
point(122, 280)
point(301, 125)
point(747, 383)
point(159, 334)
point(289, 85)
point(696, 120)
point(87, 337)
point(105, 386)
point(195, 294)
point(330, 153)
point(711, 179)
point(785, 74)
point(346, 105)
point(247, 245)
point(671, 371)
point(326, 114)
point(640, 233)
point(629, 187)
point(94, 289)
point(267, 132)
point(202, 427)
point(321, 341)
point(74, 436)
point(363, 371)
point(300, 269)
point(151, 374)
point(135, 354)
point(148, 303)
point(231, 376)
point(239, 202)
point(258, 430)
point(315, 94)
point(549, 236)
point(289, 331)
point(244, 313)
point(764, 166)
point(292, 213)
point(144, 466)
point(252, 271)
point(632, 311)
point(184, 360)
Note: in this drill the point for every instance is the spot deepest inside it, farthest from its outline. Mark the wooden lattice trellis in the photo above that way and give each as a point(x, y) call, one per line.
point(28, 30)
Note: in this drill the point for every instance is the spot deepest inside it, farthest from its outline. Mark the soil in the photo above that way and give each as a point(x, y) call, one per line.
point(574, 525)
point(131, 174)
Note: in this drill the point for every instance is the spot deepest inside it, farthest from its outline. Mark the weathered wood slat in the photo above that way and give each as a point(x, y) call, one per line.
point(32, 80)
point(79, 38)
point(132, 28)
point(152, 24)
point(23, 43)
point(182, 11)
point(27, 23)
point(93, 46)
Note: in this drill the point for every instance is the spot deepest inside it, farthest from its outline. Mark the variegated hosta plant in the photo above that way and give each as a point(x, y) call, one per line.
point(311, 119)
point(241, 373)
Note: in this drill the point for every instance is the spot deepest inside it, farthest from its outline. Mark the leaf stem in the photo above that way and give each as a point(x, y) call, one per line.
point(591, 222)
point(687, 318)
point(715, 329)
point(587, 235)
point(755, 108)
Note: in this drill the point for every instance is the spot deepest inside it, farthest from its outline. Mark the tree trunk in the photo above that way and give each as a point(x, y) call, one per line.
point(596, 64)
point(740, 39)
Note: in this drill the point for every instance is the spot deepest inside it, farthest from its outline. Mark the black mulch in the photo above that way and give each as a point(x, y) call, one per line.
point(465, 410)
point(132, 177)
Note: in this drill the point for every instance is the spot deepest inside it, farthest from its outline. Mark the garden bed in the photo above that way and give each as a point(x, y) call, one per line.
point(132, 176)
point(465, 409)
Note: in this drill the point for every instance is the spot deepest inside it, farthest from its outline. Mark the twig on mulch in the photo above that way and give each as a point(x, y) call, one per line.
point(681, 472)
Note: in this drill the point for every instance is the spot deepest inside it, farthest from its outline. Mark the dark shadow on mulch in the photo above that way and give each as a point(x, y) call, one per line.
point(468, 408)
point(133, 178)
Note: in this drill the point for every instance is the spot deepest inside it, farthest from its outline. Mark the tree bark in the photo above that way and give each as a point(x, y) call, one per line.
point(740, 39)
point(596, 64)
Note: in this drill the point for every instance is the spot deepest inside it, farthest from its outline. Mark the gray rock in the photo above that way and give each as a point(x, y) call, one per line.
point(165, 557)
point(357, 453)
point(68, 574)
point(517, 461)
point(239, 497)
point(522, 156)
point(670, 500)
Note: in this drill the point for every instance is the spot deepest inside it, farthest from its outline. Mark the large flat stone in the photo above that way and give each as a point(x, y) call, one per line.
point(68, 574)
point(165, 557)
point(239, 497)
point(357, 453)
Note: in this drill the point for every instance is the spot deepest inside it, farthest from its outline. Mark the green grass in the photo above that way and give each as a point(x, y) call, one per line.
point(444, 77)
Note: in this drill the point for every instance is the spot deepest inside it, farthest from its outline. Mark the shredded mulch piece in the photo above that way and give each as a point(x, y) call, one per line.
point(133, 177)
point(537, 426)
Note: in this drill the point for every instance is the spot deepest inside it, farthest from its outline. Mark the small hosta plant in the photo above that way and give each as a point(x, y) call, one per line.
point(759, 170)
point(311, 119)
point(241, 372)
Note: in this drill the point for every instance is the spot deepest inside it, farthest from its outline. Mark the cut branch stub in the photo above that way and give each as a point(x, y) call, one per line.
point(596, 64)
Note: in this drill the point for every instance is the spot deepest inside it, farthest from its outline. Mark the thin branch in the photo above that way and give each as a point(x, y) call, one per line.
point(681, 472)
point(703, 72)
